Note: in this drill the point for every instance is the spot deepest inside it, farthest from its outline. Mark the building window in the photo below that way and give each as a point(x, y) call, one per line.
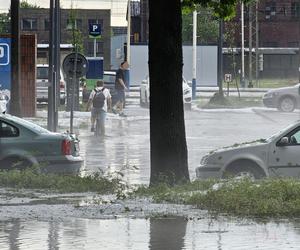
point(270, 10)
point(47, 24)
point(29, 24)
point(295, 9)
point(99, 49)
point(97, 21)
point(77, 24)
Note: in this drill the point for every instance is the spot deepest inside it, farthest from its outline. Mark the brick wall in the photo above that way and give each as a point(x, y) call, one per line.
point(28, 75)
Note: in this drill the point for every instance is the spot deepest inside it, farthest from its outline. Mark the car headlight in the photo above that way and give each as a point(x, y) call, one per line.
point(271, 94)
point(204, 160)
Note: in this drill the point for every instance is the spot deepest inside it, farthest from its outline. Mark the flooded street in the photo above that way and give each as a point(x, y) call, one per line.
point(38, 225)
point(154, 233)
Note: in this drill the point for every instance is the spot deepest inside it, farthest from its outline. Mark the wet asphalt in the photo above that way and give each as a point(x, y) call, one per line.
point(126, 146)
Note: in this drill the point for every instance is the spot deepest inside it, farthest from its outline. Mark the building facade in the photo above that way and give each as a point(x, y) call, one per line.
point(37, 21)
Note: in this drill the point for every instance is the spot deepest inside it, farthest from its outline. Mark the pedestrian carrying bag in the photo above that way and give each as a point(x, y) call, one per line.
point(99, 99)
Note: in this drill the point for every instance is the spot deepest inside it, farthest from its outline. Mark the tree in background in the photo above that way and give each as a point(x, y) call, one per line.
point(25, 5)
point(77, 39)
point(207, 26)
point(168, 149)
point(4, 23)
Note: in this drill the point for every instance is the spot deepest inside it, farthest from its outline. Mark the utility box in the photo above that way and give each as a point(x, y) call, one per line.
point(95, 71)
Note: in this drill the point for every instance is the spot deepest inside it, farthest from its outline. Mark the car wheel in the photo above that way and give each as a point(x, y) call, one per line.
point(15, 163)
point(244, 169)
point(287, 104)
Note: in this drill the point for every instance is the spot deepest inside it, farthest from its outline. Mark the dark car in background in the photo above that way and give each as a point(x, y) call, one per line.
point(109, 78)
point(25, 144)
point(284, 99)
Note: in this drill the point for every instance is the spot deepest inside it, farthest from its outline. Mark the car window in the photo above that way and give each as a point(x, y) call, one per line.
point(294, 138)
point(31, 125)
point(109, 78)
point(42, 72)
point(8, 130)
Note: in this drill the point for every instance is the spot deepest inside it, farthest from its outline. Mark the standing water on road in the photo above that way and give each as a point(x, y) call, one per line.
point(154, 233)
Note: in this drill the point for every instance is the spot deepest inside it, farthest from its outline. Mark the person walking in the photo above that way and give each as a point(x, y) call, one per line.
point(100, 100)
point(120, 89)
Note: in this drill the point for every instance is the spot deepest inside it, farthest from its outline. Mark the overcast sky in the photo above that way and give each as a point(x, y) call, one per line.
point(118, 7)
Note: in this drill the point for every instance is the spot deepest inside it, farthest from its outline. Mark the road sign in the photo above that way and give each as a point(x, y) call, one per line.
point(228, 78)
point(4, 54)
point(95, 30)
point(5, 64)
point(69, 65)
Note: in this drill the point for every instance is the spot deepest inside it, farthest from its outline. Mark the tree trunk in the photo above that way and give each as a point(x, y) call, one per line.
point(167, 130)
point(15, 104)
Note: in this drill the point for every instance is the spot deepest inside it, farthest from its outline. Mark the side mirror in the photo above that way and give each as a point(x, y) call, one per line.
point(283, 141)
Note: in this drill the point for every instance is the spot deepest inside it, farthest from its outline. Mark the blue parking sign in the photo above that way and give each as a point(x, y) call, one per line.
point(5, 64)
point(95, 30)
point(4, 54)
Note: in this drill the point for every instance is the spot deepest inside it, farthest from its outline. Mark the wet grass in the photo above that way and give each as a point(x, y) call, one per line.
point(244, 198)
point(231, 102)
point(33, 179)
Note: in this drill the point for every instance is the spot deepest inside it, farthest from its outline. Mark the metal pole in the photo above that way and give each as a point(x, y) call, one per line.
point(257, 45)
point(56, 65)
point(50, 117)
point(128, 42)
point(220, 58)
point(250, 85)
point(194, 82)
point(243, 47)
point(128, 31)
point(15, 106)
point(73, 91)
point(95, 48)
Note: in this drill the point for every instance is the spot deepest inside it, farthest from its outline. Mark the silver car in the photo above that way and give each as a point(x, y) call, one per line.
point(276, 156)
point(284, 99)
point(25, 144)
point(42, 84)
point(145, 93)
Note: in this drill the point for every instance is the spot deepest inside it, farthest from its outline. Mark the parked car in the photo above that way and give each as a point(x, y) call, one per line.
point(284, 99)
point(42, 84)
point(145, 93)
point(276, 156)
point(24, 144)
point(109, 78)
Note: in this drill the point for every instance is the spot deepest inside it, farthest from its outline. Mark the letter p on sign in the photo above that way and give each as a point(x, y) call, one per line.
point(4, 54)
point(95, 27)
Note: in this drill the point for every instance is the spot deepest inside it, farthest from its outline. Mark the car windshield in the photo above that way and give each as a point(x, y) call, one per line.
point(274, 136)
point(109, 78)
point(30, 125)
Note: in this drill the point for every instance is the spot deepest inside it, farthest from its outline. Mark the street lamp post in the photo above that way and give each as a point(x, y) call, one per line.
point(194, 82)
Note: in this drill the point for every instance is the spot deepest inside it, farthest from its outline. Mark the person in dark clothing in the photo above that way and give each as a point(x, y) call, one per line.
point(120, 89)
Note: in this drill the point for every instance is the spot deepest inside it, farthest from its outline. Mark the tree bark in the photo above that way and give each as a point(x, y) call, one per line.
point(167, 129)
point(15, 105)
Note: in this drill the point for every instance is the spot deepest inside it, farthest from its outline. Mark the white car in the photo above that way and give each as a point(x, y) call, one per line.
point(145, 93)
point(276, 156)
point(3, 103)
point(42, 84)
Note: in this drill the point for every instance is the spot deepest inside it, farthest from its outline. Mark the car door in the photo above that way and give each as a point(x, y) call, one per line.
point(9, 138)
point(284, 159)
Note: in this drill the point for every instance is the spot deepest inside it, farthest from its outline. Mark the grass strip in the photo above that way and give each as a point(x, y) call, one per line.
point(244, 198)
point(32, 179)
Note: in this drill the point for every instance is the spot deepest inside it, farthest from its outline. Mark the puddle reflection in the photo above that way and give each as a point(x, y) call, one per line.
point(154, 234)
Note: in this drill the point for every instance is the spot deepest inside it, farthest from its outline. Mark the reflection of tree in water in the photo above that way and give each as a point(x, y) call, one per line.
point(14, 235)
point(53, 236)
point(167, 233)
